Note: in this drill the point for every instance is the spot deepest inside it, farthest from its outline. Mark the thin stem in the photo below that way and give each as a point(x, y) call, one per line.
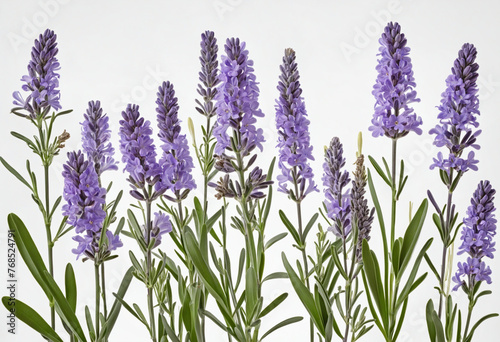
point(206, 171)
point(97, 298)
point(103, 292)
point(304, 260)
point(50, 243)
point(148, 271)
point(392, 294)
point(447, 231)
point(471, 307)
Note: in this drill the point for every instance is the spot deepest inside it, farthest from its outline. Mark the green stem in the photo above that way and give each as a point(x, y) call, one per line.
point(392, 294)
point(469, 315)
point(97, 299)
point(447, 231)
point(50, 243)
point(103, 292)
point(148, 272)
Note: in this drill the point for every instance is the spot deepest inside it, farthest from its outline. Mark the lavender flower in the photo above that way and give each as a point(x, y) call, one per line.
point(84, 197)
point(394, 88)
point(477, 236)
point(88, 245)
point(161, 225)
point(237, 100)
point(42, 80)
point(139, 155)
point(295, 149)
point(337, 202)
point(95, 139)
point(361, 215)
point(176, 161)
point(208, 74)
point(457, 114)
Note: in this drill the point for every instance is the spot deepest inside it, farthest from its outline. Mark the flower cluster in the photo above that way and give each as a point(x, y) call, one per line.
point(84, 197)
point(161, 225)
point(237, 101)
point(457, 114)
point(85, 201)
point(295, 149)
point(139, 155)
point(42, 80)
point(337, 202)
point(362, 216)
point(176, 161)
point(95, 139)
point(208, 74)
point(477, 236)
point(394, 88)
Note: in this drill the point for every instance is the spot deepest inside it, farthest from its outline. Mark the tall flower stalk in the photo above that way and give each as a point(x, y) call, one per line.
point(394, 118)
point(146, 181)
point(41, 97)
point(457, 132)
point(177, 166)
point(477, 241)
point(295, 151)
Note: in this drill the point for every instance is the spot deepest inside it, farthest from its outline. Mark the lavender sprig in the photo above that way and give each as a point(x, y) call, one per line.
point(42, 81)
point(139, 156)
point(95, 139)
point(458, 118)
point(337, 201)
point(294, 146)
point(237, 101)
point(477, 241)
point(458, 114)
point(394, 88)
point(176, 161)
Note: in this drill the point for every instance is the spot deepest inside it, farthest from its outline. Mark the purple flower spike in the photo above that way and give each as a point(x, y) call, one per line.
point(337, 202)
point(176, 161)
point(139, 155)
point(477, 236)
point(84, 197)
point(88, 244)
point(295, 149)
point(95, 139)
point(458, 114)
point(394, 88)
point(237, 100)
point(42, 81)
point(208, 75)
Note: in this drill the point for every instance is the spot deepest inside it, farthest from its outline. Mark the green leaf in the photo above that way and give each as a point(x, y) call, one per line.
point(305, 296)
point(251, 294)
point(170, 332)
point(70, 285)
point(281, 325)
point(372, 272)
point(90, 323)
point(63, 308)
point(29, 251)
point(274, 239)
point(276, 275)
point(411, 237)
point(474, 327)
point(273, 304)
point(15, 173)
point(206, 275)
point(214, 319)
point(290, 227)
point(309, 225)
point(380, 171)
point(115, 309)
point(432, 267)
point(31, 318)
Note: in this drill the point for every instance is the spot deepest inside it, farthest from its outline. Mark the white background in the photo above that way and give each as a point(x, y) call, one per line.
point(120, 51)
